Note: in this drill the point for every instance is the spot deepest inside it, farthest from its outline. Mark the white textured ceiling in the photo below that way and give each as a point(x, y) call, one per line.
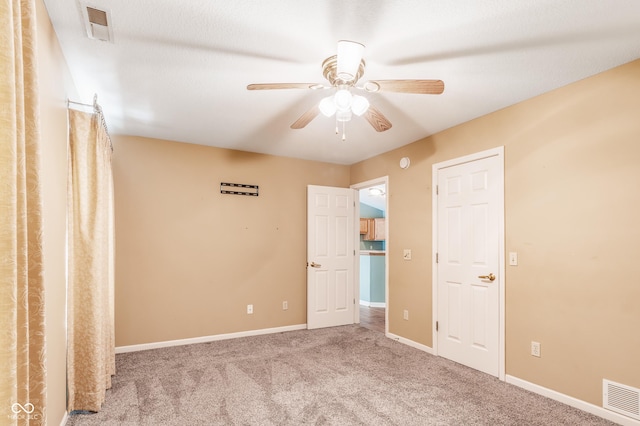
point(178, 70)
point(375, 200)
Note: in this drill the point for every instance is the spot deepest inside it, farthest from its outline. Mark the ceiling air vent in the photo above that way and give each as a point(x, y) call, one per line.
point(622, 399)
point(97, 23)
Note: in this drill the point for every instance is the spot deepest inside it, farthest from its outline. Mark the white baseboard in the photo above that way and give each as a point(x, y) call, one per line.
point(64, 419)
point(411, 343)
point(373, 304)
point(573, 402)
point(205, 339)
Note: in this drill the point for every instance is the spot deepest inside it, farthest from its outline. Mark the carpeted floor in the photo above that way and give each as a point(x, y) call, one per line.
point(335, 376)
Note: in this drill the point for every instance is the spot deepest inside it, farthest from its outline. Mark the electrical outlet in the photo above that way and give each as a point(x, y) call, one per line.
point(285, 305)
point(535, 349)
point(249, 309)
point(405, 315)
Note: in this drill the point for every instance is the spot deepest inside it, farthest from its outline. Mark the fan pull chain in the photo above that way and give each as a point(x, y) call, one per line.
point(344, 129)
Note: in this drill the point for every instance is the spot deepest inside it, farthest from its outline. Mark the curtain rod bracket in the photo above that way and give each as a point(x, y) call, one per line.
point(97, 109)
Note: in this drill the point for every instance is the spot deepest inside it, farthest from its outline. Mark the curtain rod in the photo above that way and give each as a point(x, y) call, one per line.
point(69, 101)
point(98, 110)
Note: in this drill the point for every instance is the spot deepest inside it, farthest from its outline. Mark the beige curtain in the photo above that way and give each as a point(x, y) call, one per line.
point(22, 322)
point(90, 313)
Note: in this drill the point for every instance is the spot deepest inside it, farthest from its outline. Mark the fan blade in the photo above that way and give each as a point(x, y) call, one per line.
point(271, 86)
point(425, 87)
point(377, 120)
point(306, 118)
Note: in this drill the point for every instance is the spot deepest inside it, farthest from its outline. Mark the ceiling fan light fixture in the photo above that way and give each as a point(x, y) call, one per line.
point(359, 105)
point(343, 116)
point(327, 106)
point(343, 100)
point(349, 57)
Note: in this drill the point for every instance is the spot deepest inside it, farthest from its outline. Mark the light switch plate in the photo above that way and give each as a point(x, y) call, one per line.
point(406, 255)
point(513, 258)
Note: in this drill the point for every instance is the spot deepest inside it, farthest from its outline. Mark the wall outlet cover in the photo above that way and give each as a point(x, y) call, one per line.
point(535, 349)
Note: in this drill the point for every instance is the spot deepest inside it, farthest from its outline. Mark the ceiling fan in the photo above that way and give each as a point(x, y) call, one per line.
point(343, 71)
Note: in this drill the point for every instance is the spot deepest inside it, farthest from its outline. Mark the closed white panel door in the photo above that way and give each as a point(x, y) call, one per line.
point(468, 268)
point(330, 256)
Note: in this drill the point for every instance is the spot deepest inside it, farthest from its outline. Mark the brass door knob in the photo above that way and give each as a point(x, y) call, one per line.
point(489, 277)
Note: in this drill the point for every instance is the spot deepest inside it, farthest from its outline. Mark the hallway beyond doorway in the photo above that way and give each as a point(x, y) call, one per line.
point(372, 318)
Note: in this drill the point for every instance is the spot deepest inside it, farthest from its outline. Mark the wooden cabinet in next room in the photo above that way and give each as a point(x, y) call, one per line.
point(372, 229)
point(364, 226)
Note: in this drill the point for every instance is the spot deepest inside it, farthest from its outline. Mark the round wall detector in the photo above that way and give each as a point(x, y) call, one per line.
point(405, 162)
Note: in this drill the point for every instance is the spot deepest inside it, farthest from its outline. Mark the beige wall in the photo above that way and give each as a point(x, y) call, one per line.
point(572, 169)
point(55, 87)
point(188, 259)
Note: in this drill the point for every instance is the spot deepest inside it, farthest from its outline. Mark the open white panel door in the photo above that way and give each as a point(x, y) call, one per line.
point(330, 256)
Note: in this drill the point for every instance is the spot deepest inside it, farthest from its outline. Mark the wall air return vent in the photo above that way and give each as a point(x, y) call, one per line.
point(97, 23)
point(621, 398)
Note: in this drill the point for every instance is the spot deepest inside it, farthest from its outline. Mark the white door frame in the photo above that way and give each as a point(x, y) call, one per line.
point(499, 151)
point(358, 186)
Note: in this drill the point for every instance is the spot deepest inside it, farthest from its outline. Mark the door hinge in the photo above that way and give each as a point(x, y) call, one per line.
point(437, 190)
point(436, 325)
point(436, 257)
point(354, 301)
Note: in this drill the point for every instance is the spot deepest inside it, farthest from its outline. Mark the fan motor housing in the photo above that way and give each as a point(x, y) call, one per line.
point(330, 72)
